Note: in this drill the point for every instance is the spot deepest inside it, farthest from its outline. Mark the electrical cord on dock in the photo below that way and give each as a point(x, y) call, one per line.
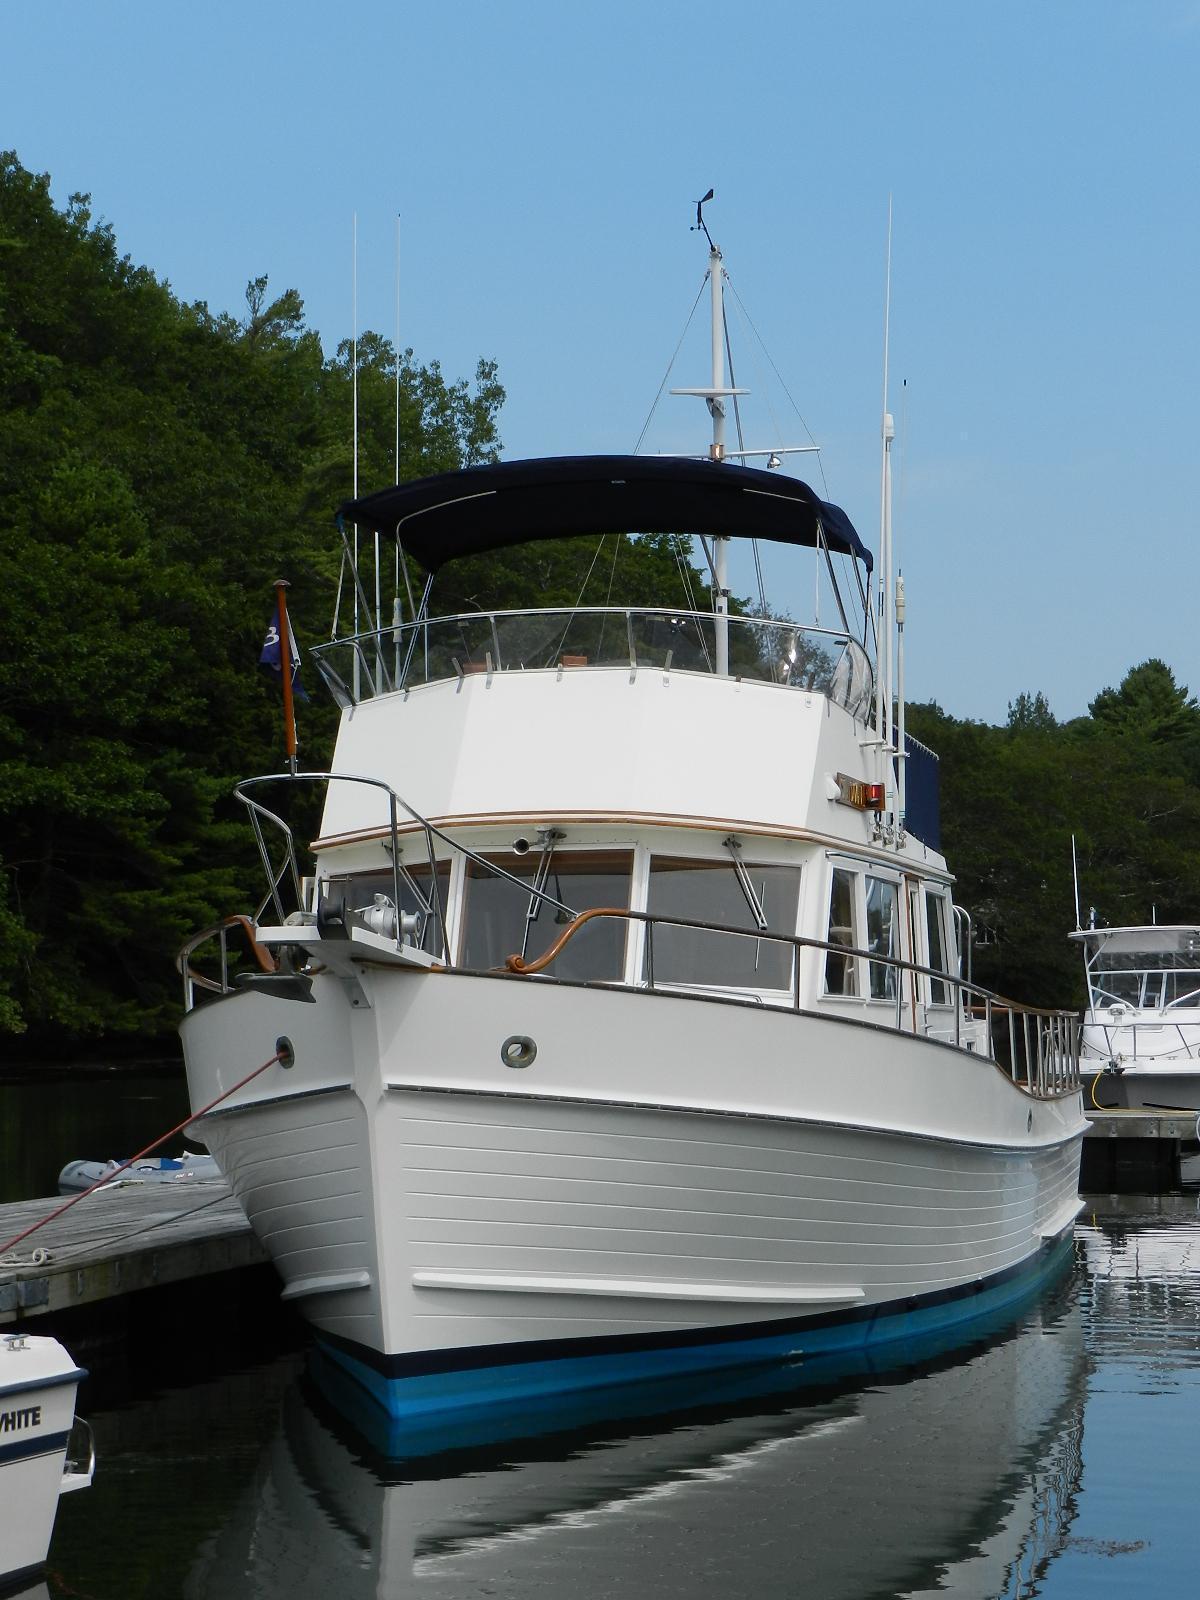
point(282, 1053)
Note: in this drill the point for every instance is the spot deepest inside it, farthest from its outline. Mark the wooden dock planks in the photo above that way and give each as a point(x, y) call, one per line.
point(119, 1240)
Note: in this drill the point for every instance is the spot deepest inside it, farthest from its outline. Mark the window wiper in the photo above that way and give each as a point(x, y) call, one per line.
point(734, 846)
point(549, 838)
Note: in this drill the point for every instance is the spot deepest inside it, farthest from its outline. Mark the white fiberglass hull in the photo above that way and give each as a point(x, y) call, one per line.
point(1164, 1074)
point(673, 1184)
point(38, 1381)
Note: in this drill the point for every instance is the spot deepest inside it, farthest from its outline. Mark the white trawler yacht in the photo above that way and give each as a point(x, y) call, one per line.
point(1141, 1030)
point(622, 1029)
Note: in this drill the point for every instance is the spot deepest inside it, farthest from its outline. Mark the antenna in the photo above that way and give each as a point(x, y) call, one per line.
point(354, 424)
point(901, 751)
point(884, 641)
point(397, 348)
point(396, 612)
point(1075, 874)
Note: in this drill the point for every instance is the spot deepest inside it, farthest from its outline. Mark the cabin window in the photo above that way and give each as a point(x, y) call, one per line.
point(1109, 988)
point(935, 933)
point(1183, 989)
point(840, 970)
point(882, 935)
point(502, 919)
point(710, 891)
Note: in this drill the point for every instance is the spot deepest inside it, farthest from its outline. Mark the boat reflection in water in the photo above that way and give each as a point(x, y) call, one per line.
point(957, 1469)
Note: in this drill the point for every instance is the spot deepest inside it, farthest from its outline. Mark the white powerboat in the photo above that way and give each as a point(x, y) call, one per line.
point(38, 1381)
point(620, 1030)
point(1140, 1047)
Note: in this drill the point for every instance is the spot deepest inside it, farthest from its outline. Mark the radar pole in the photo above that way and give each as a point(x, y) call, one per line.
point(715, 396)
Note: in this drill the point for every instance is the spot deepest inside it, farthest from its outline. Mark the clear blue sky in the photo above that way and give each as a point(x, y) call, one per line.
point(544, 160)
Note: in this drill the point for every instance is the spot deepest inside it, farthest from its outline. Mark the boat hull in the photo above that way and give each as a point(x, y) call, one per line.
point(38, 1382)
point(673, 1184)
point(1145, 1086)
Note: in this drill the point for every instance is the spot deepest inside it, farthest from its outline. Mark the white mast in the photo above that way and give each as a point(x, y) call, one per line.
point(716, 405)
point(715, 395)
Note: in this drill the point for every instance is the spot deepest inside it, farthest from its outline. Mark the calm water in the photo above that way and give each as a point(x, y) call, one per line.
point(1058, 1456)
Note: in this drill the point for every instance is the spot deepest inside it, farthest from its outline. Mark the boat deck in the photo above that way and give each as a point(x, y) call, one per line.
point(118, 1241)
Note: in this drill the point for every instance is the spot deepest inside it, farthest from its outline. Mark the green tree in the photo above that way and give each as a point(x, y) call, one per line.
point(160, 465)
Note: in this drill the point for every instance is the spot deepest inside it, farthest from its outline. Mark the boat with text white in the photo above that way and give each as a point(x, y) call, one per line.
point(38, 1382)
point(620, 1028)
point(1140, 1045)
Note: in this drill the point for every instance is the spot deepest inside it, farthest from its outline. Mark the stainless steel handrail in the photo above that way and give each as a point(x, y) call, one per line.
point(1045, 1040)
point(372, 642)
point(1049, 1037)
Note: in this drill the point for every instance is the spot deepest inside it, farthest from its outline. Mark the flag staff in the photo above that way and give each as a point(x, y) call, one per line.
point(285, 672)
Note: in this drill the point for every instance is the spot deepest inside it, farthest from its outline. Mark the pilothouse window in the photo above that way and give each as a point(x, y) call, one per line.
point(935, 924)
point(882, 935)
point(713, 891)
point(840, 970)
point(503, 919)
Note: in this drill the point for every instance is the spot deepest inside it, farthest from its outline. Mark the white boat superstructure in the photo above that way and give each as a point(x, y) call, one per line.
point(38, 1381)
point(1141, 1031)
point(620, 1028)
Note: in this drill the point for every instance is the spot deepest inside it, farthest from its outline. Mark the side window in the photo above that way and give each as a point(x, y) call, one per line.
point(935, 930)
point(501, 918)
point(709, 891)
point(882, 935)
point(839, 969)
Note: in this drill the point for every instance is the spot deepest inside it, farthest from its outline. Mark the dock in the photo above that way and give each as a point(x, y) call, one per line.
point(124, 1238)
point(1124, 1151)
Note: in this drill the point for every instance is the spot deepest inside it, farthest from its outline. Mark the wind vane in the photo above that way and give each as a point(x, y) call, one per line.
point(701, 225)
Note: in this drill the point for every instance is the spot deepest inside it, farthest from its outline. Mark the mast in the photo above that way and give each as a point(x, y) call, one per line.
point(715, 396)
point(716, 406)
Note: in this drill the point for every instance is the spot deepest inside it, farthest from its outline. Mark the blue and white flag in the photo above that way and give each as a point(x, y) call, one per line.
point(271, 653)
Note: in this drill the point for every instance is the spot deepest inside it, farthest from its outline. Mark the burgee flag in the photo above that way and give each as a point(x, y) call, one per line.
point(270, 657)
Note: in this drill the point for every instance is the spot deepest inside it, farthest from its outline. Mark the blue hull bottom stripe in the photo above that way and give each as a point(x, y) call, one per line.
point(414, 1388)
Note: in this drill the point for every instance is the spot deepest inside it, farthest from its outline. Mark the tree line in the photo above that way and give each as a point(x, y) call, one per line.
point(161, 464)
point(1116, 792)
